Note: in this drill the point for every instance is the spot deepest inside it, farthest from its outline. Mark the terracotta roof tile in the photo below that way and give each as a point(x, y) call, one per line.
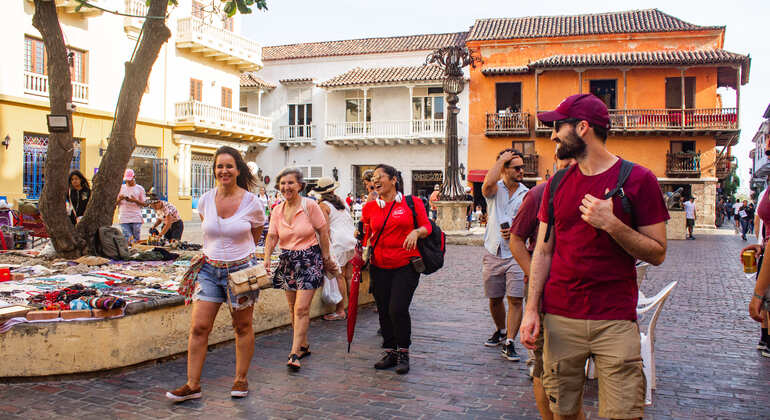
point(249, 79)
point(491, 71)
point(426, 42)
point(385, 75)
point(678, 57)
point(632, 21)
point(297, 80)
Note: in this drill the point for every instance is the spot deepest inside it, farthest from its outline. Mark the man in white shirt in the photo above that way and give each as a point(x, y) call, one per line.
point(689, 214)
point(736, 209)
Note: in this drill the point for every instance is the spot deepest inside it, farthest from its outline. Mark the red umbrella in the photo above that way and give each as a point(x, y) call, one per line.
point(358, 263)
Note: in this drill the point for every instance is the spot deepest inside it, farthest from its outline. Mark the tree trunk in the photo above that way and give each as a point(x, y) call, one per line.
point(60, 146)
point(100, 210)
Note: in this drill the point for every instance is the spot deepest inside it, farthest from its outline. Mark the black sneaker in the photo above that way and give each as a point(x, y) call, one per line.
point(762, 345)
point(389, 359)
point(403, 362)
point(509, 352)
point(495, 340)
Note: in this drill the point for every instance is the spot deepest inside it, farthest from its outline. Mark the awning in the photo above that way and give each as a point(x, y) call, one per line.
point(477, 175)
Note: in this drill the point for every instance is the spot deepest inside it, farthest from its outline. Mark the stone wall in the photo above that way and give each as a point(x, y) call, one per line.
point(705, 204)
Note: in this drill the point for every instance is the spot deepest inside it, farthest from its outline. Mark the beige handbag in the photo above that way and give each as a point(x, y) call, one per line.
point(249, 279)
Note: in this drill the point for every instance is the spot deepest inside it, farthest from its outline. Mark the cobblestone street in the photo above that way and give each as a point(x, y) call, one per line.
point(707, 365)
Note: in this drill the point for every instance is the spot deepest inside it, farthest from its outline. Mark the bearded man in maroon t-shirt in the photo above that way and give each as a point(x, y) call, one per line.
point(584, 279)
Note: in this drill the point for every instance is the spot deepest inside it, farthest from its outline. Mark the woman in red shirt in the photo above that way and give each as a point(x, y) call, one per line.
point(389, 226)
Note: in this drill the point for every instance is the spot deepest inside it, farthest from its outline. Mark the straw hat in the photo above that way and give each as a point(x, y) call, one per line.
point(325, 185)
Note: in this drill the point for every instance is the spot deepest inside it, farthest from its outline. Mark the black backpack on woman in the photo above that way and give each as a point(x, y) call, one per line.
point(433, 247)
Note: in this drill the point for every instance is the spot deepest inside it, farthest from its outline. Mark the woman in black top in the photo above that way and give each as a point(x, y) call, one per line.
point(79, 194)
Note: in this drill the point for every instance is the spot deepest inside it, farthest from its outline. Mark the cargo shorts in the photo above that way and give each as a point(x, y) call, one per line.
point(616, 349)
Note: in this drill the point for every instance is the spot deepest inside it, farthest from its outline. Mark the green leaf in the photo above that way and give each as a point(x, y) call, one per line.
point(230, 8)
point(242, 8)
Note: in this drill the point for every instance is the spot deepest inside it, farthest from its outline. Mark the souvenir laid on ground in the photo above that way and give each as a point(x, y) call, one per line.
point(92, 260)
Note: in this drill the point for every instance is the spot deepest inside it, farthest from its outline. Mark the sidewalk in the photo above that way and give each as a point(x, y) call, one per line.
point(707, 366)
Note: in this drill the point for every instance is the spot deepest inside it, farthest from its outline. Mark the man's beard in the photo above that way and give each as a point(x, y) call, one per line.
point(573, 148)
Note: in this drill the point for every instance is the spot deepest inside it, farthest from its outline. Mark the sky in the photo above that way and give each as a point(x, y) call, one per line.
point(294, 21)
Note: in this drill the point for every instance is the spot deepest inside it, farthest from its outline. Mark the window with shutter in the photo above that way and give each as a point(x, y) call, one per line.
point(316, 172)
point(34, 56)
point(227, 97)
point(78, 66)
point(196, 90)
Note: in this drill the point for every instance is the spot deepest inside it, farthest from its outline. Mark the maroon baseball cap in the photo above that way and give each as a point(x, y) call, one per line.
point(584, 106)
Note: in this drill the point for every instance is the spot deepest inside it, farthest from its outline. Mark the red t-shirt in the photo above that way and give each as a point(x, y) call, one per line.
point(389, 252)
point(525, 223)
point(349, 201)
point(592, 277)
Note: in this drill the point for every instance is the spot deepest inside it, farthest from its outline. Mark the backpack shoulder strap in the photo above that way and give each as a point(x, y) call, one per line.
point(625, 172)
point(555, 182)
point(410, 203)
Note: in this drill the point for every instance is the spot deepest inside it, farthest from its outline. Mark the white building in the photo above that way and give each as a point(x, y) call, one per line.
point(188, 110)
point(761, 163)
point(341, 107)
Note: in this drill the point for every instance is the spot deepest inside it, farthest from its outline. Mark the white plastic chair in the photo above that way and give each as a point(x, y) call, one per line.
point(641, 276)
point(648, 337)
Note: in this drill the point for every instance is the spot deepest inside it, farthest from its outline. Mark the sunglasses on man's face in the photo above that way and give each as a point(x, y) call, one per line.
point(558, 124)
point(517, 167)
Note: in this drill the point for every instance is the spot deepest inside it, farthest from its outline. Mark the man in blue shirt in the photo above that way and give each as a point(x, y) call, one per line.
point(502, 276)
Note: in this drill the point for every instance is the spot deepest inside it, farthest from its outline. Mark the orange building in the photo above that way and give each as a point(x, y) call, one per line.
point(658, 75)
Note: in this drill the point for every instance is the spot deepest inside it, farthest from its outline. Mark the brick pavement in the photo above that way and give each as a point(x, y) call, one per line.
point(707, 365)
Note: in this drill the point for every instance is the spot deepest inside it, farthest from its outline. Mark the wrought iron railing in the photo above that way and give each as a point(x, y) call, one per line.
point(530, 164)
point(672, 119)
point(683, 164)
point(724, 166)
point(501, 123)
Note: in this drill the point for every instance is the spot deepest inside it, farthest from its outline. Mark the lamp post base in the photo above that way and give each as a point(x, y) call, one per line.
point(451, 215)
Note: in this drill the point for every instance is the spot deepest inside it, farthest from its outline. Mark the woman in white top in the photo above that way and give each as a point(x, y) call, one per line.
point(342, 235)
point(232, 222)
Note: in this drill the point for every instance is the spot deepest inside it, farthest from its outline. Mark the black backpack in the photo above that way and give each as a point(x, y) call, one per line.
point(625, 171)
point(433, 247)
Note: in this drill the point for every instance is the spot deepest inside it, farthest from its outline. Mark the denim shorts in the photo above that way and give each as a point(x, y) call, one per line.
point(131, 229)
point(211, 286)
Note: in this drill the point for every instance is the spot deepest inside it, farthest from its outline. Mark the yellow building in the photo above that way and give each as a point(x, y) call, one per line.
point(187, 110)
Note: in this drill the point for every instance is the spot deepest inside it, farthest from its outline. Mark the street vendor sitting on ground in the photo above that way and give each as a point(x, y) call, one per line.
point(169, 216)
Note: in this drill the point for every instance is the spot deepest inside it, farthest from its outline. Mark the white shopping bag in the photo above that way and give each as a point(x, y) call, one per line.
point(331, 292)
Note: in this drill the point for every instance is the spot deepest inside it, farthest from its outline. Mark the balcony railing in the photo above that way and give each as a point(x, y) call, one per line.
point(530, 165)
point(506, 124)
point(37, 84)
point(136, 8)
point(218, 44)
point(297, 135)
point(700, 119)
point(667, 120)
point(386, 130)
point(69, 6)
point(724, 166)
point(683, 164)
point(220, 121)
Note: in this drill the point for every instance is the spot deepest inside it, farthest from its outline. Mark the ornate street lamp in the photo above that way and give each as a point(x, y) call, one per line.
point(452, 60)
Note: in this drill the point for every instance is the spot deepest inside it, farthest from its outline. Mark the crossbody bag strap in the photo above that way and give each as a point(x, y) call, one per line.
point(410, 203)
point(383, 226)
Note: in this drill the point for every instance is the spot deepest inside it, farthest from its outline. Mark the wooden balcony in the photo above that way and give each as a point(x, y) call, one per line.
point(697, 121)
point(683, 164)
point(507, 124)
point(530, 165)
point(724, 166)
point(385, 133)
point(297, 135)
point(218, 44)
point(196, 117)
point(37, 84)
